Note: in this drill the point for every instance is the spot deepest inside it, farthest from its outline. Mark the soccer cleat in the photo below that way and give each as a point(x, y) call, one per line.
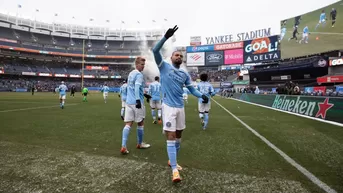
point(122, 117)
point(154, 122)
point(178, 167)
point(176, 176)
point(202, 122)
point(143, 146)
point(124, 151)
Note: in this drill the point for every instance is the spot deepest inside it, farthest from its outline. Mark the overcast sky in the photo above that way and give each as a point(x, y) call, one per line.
point(194, 17)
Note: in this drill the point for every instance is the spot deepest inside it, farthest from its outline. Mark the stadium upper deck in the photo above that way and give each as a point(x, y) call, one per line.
point(67, 38)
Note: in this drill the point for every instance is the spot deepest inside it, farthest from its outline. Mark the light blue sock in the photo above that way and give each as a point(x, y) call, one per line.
point(153, 114)
point(122, 112)
point(126, 132)
point(177, 145)
point(62, 103)
point(140, 133)
point(206, 119)
point(171, 149)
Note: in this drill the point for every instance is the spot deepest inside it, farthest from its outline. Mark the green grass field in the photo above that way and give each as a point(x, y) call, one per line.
point(46, 149)
point(329, 38)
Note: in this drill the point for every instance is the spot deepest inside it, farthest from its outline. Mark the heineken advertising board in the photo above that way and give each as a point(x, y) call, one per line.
point(329, 108)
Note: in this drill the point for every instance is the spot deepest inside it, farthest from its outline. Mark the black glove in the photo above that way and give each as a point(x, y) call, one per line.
point(170, 32)
point(204, 99)
point(138, 104)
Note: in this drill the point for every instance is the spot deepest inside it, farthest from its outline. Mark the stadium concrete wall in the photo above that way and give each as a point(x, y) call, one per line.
point(322, 107)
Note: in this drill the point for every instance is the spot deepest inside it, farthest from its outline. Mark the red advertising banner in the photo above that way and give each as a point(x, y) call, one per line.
point(330, 79)
point(7, 40)
point(319, 88)
point(229, 46)
point(63, 54)
point(97, 67)
point(336, 62)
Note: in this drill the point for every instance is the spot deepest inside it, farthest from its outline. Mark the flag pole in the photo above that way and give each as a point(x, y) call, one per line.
point(83, 61)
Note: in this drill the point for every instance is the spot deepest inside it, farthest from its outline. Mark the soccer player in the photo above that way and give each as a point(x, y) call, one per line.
point(85, 93)
point(155, 101)
point(173, 114)
point(185, 94)
point(72, 91)
point(62, 90)
point(105, 89)
point(305, 35)
point(295, 32)
point(333, 15)
point(135, 109)
point(123, 94)
point(205, 88)
point(283, 33)
point(322, 19)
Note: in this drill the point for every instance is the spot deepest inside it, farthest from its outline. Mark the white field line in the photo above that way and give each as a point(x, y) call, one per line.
point(303, 170)
point(33, 108)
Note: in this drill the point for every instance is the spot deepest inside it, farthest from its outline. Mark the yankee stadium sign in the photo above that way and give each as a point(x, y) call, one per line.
point(239, 37)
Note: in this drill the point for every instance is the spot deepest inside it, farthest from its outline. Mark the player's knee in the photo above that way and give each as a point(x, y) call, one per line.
point(171, 135)
point(141, 123)
point(129, 124)
point(178, 133)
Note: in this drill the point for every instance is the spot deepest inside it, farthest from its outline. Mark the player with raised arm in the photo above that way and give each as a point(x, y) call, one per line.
point(123, 94)
point(105, 89)
point(135, 109)
point(173, 114)
point(204, 108)
point(322, 19)
point(62, 89)
point(155, 101)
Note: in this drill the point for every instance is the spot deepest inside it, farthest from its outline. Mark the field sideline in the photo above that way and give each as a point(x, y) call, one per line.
point(47, 149)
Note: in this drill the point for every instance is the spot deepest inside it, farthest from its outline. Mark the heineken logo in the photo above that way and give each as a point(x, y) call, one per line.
point(302, 105)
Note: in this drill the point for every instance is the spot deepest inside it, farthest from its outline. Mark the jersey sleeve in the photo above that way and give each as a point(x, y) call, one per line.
point(188, 80)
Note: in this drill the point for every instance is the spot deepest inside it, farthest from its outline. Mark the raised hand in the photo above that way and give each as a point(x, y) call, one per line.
point(170, 32)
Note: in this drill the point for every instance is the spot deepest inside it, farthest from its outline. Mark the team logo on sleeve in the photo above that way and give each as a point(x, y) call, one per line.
point(168, 124)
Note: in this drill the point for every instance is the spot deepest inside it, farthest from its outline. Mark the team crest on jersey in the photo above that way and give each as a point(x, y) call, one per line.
point(168, 124)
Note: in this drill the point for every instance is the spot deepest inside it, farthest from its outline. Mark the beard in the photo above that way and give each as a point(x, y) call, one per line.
point(178, 62)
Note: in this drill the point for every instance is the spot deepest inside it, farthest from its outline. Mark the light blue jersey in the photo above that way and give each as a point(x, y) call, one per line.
point(172, 80)
point(62, 89)
point(305, 30)
point(322, 17)
point(155, 91)
point(205, 88)
point(135, 88)
point(185, 90)
point(283, 30)
point(105, 89)
point(123, 92)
